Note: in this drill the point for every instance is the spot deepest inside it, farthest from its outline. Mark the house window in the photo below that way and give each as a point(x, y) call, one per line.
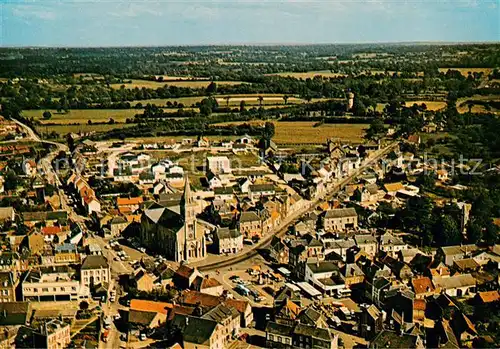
point(280, 340)
point(287, 340)
point(271, 337)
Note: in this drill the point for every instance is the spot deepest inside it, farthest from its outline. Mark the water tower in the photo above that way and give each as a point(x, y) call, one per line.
point(350, 100)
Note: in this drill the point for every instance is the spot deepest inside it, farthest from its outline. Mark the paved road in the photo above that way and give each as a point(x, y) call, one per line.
point(291, 219)
point(46, 162)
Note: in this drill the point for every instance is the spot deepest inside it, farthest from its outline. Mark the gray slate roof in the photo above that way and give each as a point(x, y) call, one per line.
point(341, 213)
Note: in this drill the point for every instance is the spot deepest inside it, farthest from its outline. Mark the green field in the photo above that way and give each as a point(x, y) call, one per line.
point(304, 132)
point(82, 116)
point(62, 130)
point(309, 75)
point(178, 83)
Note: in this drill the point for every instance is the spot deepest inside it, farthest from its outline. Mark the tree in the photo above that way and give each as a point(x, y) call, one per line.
point(11, 181)
point(212, 88)
point(269, 130)
point(227, 98)
point(84, 305)
point(208, 105)
point(491, 233)
point(242, 105)
point(285, 98)
point(417, 216)
point(446, 231)
point(474, 232)
point(261, 100)
point(376, 130)
point(47, 115)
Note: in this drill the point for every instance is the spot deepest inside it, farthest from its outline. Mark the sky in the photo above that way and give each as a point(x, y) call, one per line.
point(84, 23)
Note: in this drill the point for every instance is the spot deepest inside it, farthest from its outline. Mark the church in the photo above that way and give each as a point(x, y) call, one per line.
point(174, 231)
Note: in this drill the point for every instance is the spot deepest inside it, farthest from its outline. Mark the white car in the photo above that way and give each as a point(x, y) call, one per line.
point(143, 337)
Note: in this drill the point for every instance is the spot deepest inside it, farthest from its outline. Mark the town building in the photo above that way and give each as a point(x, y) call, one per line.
point(250, 224)
point(218, 164)
point(228, 240)
point(52, 284)
point(53, 334)
point(95, 271)
point(175, 230)
point(8, 286)
point(340, 219)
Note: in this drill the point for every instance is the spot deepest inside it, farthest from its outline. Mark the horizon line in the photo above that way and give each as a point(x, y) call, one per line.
point(422, 42)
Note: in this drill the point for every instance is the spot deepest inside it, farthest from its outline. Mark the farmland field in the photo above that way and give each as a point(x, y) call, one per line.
point(465, 71)
point(477, 108)
point(310, 74)
point(62, 130)
point(431, 105)
point(82, 116)
point(178, 83)
point(303, 132)
point(234, 100)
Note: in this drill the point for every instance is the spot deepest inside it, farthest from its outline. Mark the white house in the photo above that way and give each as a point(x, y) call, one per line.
point(326, 276)
point(461, 285)
point(218, 164)
point(29, 168)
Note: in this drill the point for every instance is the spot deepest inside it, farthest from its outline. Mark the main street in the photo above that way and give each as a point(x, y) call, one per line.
point(294, 217)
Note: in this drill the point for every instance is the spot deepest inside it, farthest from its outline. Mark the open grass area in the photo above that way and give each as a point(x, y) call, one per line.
point(305, 132)
point(82, 116)
point(431, 105)
point(179, 83)
point(62, 130)
point(465, 71)
point(173, 139)
point(310, 74)
point(251, 100)
point(462, 107)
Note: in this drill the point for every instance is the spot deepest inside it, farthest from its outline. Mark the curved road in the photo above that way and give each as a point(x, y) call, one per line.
point(283, 228)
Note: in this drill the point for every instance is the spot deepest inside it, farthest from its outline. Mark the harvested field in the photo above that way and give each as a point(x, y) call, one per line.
point(82, 116)
point(310, 74)
point(234, 100)
point(304, 132)
point(179, 83)
point(462, 107)
point(431, 105)
point(465, 71)
point(62, 130)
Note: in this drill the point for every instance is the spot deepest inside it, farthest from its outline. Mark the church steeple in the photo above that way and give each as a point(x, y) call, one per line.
point(187, 197)
point(188, 211)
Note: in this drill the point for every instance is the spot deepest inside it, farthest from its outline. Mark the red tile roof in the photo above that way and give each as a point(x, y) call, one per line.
point(129, 201)
point(150, 306)
point(489, 296)
point(422, 285)
point(194, 298)
point(419, 304)
point(51, 230)
point(184, 271)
